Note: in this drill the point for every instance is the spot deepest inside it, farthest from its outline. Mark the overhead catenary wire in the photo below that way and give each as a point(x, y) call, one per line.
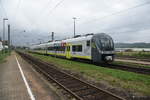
point(51, 10)
point(122, 11)
point(17, 9)
point(45, 6)
point(118, 27)
point(41, 12)
point(130, 31)
point(18, 6)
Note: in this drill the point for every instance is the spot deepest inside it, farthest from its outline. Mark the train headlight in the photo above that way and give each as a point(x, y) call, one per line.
point(108, 58)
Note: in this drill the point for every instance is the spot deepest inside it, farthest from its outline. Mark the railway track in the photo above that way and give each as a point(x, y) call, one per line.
point(135, 69)
point(77, 88)
point(123, 67)
point(128, 68)
point(133, 58)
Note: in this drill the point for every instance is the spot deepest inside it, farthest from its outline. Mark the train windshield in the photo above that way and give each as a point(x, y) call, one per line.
point(106, 44)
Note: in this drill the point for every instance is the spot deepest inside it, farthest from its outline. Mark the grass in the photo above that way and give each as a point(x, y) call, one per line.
point(128, 80)
point(3, 56)
point(132, 64)
point(139, 54)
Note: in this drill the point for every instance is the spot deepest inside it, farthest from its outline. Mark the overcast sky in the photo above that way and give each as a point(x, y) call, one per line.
point(124, 20)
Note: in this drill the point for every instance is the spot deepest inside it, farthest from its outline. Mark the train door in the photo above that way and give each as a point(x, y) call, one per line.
point(68, 53)
point(96, 56)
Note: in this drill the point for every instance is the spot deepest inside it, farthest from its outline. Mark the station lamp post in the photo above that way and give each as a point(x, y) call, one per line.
point(9, 47)
point(3, 42)
point(4, 19)
point(40, 40)
point(74, 18)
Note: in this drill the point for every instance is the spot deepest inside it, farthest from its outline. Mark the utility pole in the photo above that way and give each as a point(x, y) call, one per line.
point(40, 41)
point(52, 36)
point(74, 18)
point(9, 49)
point(4, 28)
point(3, 42)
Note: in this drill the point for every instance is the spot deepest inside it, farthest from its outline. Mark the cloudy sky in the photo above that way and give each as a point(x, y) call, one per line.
point(124, 20)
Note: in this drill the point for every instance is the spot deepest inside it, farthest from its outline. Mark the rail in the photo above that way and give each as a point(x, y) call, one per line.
point(77, 88)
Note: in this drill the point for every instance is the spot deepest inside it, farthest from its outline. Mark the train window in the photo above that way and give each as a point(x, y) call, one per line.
point(63, 48)
point(50, 48)
point(77, 48)
point(57, 48)
point(60, 48)
point(80, 48)
point(73, 48)
point(88, 43)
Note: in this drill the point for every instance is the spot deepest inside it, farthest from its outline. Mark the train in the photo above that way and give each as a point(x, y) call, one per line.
point(97, 48)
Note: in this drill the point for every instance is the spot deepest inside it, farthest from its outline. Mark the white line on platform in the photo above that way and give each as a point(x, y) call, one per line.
point(25, 81)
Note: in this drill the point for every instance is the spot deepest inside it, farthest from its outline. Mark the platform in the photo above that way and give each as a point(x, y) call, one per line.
point(19, 81)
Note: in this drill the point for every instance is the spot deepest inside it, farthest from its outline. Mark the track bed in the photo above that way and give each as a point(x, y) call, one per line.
point(124, 67)
point(128, 68)
point(75, 87)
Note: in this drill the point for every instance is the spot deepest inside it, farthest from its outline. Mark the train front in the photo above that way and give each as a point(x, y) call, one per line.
point(102, 48)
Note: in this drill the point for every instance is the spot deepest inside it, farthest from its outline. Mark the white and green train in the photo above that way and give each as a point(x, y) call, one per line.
point(95, 47)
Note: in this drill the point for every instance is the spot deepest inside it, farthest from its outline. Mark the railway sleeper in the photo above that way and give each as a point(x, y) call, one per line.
point(98, 96)
point(62, 77)
point(79, 89)
point(74, 85)
point(61, 80)
point(55, 72)
point(86, 92)
point(65, 83)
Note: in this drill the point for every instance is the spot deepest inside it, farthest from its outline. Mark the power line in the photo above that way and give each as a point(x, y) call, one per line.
point(122, 11)
point(51, 10)
point(142, 29)
point(43, 9)
point(17, 9)
point(47, 4)
point(118, 27)
point(56, 6)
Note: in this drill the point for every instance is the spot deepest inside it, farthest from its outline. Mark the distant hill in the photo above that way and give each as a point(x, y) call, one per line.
point(132, 45)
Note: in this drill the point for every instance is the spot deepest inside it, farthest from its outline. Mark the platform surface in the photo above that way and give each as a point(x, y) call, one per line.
point(13, 85)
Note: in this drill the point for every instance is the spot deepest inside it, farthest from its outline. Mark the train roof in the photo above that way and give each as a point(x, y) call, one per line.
point(81, 38)
point(70, 40)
